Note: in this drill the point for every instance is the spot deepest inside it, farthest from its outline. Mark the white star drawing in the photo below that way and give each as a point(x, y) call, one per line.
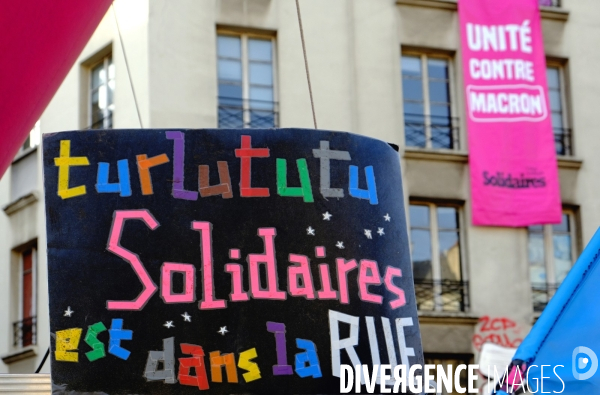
point(310, 231)
point(169, 324)
point(68, 312)
point(380, 231)
point(340, 245)
point(368, 233)
point(223, 330)
point(387, 217)
point(186, 317)
point(327, 216)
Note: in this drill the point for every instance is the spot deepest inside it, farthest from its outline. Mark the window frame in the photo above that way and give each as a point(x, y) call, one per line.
point(552, 286)
point(549, 245)
point(436, 267)
point(104, 61)
point(20, 290)
point(33, 282)
point(423, 56)
point(244, 36)
point(565, 113)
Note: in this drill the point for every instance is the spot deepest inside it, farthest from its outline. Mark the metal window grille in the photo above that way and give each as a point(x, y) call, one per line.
point(541, 294)
point(431, 131)
point(550, 3)
point(25, 332)
point(562, 141)
point(239, 113)
point(442, 295)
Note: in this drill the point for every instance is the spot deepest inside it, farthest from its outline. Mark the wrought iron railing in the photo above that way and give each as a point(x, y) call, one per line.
point(25, 332)
point(550, 3)
point(442, 295)
point(541, 293)
point(244, 113)
point(562, 141)
point(431, 131)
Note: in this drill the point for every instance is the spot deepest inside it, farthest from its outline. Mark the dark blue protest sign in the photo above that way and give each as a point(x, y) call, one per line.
point(232, 261)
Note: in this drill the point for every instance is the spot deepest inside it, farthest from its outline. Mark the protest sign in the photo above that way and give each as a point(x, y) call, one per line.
point(234, 261)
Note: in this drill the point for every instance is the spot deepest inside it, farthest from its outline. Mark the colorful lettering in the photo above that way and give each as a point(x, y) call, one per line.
point(66, 341)
point(189, 282)
point(117, 333)
point(234, 253)
point(217, 361)
point(237, 294)
point(245, 362)
point(114, 246)
point(282, 368)
point(224, 186)
point(246, 153)
point(208, 297)
point(144, 164)
point(300, 281)
point(368, 274)
point(179, 191)
point(343, 267)
point(196, 361)
point(373, 343)
point(347, 344)
point(268, 258)
point(326, 292)
point(167, 357)
point(390, 273)
point(325, 155)
point(63, 162)
point(91, 338)
point(371, 192)
point(405, 351)
point(320, 252)
point(389, 341)
point(305, 189)
point(123, 187)
point(307, 363)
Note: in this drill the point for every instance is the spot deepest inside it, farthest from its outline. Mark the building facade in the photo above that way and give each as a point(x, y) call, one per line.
point(389, 69)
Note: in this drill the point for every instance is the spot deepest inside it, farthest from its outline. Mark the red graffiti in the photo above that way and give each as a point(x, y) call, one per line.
point(498, 330)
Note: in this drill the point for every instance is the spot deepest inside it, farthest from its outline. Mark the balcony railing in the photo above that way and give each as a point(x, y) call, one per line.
point(243, 113)
point(550, 3)
point(102, 123)
point(25, 332)
point(562, 141)
point(541, 293)
point(442, 295)
point(431, 131)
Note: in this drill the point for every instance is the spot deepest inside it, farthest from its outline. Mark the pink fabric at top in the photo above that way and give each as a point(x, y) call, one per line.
point(512, 159)
point(39, 42)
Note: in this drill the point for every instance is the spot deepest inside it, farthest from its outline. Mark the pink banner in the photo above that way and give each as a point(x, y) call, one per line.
point(40, 41)
point(512, 159)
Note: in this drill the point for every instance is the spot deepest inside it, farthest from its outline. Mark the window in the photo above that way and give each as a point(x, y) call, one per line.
point(24, 168)
point(102, 88)
point(551, 251)
point(426, 89)
point(246, 72)
point(436, 257)
point(32, 140)
point(25, 329)
point(562, 135)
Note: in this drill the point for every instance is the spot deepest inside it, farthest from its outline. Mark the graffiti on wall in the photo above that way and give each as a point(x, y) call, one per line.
point(502, 331)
